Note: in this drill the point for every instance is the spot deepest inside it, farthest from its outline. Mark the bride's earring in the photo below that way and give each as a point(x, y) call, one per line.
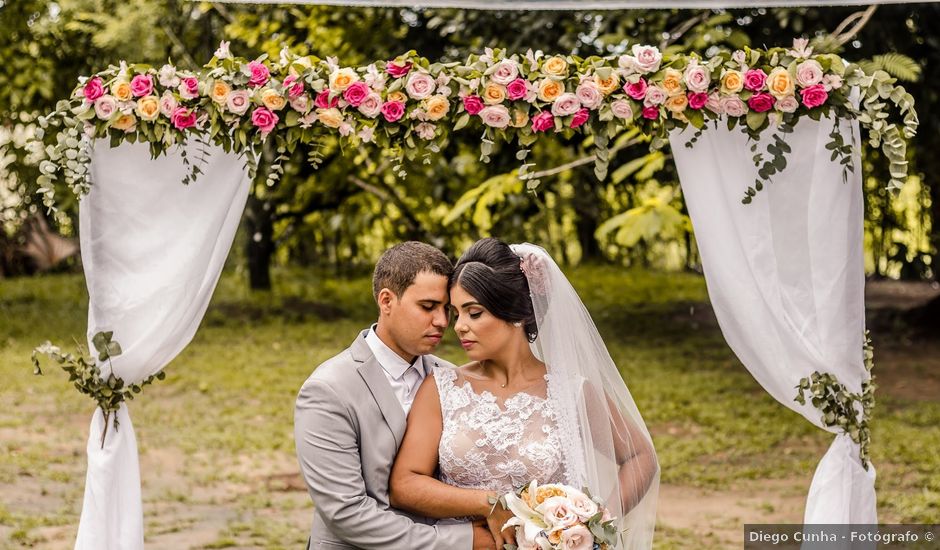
point(517, 324)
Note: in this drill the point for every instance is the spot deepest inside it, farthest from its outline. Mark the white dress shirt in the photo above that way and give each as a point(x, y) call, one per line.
point(404, 378)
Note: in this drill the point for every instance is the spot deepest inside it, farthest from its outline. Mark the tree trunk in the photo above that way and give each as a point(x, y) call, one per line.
point(260, 245)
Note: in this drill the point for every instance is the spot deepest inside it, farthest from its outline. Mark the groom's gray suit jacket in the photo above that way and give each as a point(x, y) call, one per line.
point(348, 426)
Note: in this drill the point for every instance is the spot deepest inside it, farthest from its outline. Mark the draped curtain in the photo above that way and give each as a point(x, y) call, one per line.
point(785, 275)
point(152, 250)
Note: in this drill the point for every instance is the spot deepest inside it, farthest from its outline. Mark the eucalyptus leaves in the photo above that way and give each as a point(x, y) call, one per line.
point(851, 412)
point(85, 374)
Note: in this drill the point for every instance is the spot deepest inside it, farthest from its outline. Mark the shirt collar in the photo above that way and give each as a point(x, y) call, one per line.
point(391, 362)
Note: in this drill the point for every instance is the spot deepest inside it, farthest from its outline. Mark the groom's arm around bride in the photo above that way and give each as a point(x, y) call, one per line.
point(350, 415)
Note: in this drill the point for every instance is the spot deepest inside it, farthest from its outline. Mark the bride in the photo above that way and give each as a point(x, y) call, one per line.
point(541, 399)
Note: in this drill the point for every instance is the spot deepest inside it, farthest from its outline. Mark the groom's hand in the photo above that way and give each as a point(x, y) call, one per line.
point(482, 538)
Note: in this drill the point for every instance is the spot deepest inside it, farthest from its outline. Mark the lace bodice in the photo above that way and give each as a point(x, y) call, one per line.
point(488, 445)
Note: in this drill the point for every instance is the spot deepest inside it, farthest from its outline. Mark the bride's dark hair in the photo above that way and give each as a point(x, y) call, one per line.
point(490, 272)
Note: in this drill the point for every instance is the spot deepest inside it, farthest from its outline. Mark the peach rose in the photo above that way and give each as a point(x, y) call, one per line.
point(126, 122)
point(779, 83)
point(494, 94)
point(672, 82)
point(609, 85)
point(273, 100)
point(732, 82)
point(219, 91)
point(122, 90)
point(550, 89)
point(555, 66)
point(677, 103)
point(330, 117)
point(397, 96)
point(340, 79)
point(437, 106)
point(148, 107)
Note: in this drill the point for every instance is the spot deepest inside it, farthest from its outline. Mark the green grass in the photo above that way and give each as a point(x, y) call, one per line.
point(218, 430)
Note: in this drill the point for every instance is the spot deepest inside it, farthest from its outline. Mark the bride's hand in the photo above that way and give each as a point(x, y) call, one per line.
point(495, 521)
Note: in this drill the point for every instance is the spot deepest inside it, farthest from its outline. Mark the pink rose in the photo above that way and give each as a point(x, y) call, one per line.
point(258, 74)
point(425, 130)
point(646, 59)
point(94, 89)
point(142, 85)
point(814, 96)
point(495, 116)
point(506, 71)
point(622, 109)
point(714, 103)
point(732, 106)
point(761, 102)
point(238, 102)
point(264, 119)
point(168, 104)
point(654, 96)
point(189, 87)
point(755, 79)
point(393, 111)
point(517, 89)
point(787, 104)
point(473, 104)
point(371, 105)
point(698, 100)
point(637, 90)
point(559, 513)
point(543, 121)
point(809, 73)
point(183, 118)
point(577, 538)
point(580, 118)
point(566, 104)
point(697, 78)
point(294, 86)
point(356, 93)
point(589, 95)
point(301, 104)
point(397, 70)
point(651, 113)
point(323, 100)
point(105, 107)
point(419, 86)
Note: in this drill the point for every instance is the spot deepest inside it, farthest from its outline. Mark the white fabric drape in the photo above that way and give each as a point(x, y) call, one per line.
point(572, 4)
point(152, 250)
point(785, 276)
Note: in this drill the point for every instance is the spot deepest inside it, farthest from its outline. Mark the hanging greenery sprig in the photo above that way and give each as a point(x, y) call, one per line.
point(85, 373)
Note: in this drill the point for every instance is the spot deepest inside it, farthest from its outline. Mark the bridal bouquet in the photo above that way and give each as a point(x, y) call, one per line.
point(556, 517)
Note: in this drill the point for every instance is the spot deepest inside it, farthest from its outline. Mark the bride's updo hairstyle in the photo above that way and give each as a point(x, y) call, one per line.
point(490, 272)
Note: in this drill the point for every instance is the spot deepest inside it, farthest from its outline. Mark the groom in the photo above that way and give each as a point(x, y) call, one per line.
point(350, 415)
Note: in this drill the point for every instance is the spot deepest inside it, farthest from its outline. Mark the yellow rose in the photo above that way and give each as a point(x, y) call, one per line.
point(732, 82)
point(397, 96)
point(437, 106)
point(549, 89)
point(780, 83)
point(609, 85)
point(148, 107)
point(125, 122)
point(340, 79)
point(555, 66)
point(520, 118)
point(672, 82)
point(677, 103)
point(330, 117)
point(121, 90)
point(219, 91)
point(494, 94)
point(273, 100)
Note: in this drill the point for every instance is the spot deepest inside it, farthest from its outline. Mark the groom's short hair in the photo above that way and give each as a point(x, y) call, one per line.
point(399, 265)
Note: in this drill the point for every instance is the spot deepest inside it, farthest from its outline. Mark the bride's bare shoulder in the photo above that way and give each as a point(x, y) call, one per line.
point(471, 369)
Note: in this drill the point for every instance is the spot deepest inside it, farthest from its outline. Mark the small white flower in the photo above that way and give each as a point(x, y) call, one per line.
point(223, 51)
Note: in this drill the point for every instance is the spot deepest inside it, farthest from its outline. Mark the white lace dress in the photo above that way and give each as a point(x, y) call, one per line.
point(493, 445)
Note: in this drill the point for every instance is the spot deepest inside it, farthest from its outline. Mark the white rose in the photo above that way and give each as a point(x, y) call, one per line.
point(697, 78)
point(787, 104)
point(732, 106)
point(558, 512)
point(809, 73)
point(105, 107)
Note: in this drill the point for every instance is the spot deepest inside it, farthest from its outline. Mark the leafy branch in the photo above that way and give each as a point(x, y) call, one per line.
point(85, 373)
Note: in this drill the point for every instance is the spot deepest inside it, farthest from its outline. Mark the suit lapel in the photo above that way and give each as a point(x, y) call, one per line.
point(374, 376)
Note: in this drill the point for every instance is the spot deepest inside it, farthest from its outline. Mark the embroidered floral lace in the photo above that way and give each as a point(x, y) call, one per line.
point(497, 446)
